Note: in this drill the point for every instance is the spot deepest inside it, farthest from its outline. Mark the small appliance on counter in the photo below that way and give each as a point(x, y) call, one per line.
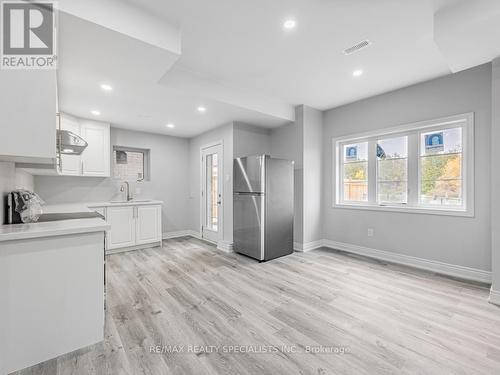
point(23, 206)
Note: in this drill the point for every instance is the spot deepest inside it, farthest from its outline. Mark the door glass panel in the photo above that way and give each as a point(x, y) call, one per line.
point(212, 189)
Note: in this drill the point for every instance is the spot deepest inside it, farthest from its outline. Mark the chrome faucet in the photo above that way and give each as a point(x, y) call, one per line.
point(129, 197)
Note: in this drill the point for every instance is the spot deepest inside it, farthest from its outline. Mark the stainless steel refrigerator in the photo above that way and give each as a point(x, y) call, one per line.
point(263, 207)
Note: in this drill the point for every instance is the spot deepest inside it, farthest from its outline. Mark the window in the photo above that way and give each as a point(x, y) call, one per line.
point(441, 168)
point(355, 172)
point(424, 167)
point(392, 170)
point(130, 164)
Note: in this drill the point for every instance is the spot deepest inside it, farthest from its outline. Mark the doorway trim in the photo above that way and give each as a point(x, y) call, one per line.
point(223, 189)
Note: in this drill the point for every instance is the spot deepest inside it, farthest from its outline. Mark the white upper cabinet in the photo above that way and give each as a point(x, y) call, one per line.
point(27, 116)
point(96, 157)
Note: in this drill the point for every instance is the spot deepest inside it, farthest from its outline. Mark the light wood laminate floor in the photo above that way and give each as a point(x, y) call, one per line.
point(388, 319)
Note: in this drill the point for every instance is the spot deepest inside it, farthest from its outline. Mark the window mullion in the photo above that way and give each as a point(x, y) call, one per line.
point(372, 172)
point(413, 169)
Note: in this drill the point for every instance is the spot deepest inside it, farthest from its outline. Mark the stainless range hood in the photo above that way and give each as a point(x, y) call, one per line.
point(69, 143)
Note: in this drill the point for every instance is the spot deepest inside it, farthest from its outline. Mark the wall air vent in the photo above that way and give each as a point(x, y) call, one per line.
point(357, 47)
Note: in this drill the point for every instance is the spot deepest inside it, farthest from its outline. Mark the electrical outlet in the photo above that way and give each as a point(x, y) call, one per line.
point(371, 232)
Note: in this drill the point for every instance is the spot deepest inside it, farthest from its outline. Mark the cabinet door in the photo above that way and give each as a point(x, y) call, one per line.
point(28, 107)
point(148, 224)
point(96, 157)
point(70, 164)
point(122, 222)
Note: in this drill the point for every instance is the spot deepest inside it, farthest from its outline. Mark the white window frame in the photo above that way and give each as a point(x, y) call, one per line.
point(413, 131)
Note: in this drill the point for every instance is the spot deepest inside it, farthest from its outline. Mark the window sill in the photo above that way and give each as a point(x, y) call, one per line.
point(409, 210)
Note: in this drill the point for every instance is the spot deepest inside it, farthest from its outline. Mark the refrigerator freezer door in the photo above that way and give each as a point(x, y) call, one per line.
point(248, 231)
point(248, 174)
point(279, 208)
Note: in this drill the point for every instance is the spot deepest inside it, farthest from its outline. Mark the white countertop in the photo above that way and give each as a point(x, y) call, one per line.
point(54, 228)
point(64, 227)
point(65, 207)
point(50, 229)
point(124, 203)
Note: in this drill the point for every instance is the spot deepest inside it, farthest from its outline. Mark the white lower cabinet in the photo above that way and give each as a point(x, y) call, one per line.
point(148, 224)
point(122, 232)
point(133, 226)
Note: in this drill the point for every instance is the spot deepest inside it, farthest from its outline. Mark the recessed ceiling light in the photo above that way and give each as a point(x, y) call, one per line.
point(289, 24)
point(202, 109)
point(106, 87)
point(171, 126)
point(357, 73)
point(95, 112)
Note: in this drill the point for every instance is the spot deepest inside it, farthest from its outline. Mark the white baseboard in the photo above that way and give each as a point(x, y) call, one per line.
point(308, 246)
point(225, 246)
point(181, 233)
point(462, 272)
point(494, 297)
point(424, 264)
point(133, 248)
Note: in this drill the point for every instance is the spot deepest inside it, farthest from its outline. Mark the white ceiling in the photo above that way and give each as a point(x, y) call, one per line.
point(242, 43)
point(90, 55)
point(237, 61)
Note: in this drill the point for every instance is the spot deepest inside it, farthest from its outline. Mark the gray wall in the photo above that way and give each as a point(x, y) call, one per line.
point(225, 134)
point(454, 240)
point(250, 140)
point(286, 144)
point(495, 176)
point(312, 138)
point(169, 180)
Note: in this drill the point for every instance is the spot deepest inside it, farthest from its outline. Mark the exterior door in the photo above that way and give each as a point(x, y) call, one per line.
point(211, 193)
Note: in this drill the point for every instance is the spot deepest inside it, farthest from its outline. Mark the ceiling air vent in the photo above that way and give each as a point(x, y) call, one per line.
point(357, 47)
